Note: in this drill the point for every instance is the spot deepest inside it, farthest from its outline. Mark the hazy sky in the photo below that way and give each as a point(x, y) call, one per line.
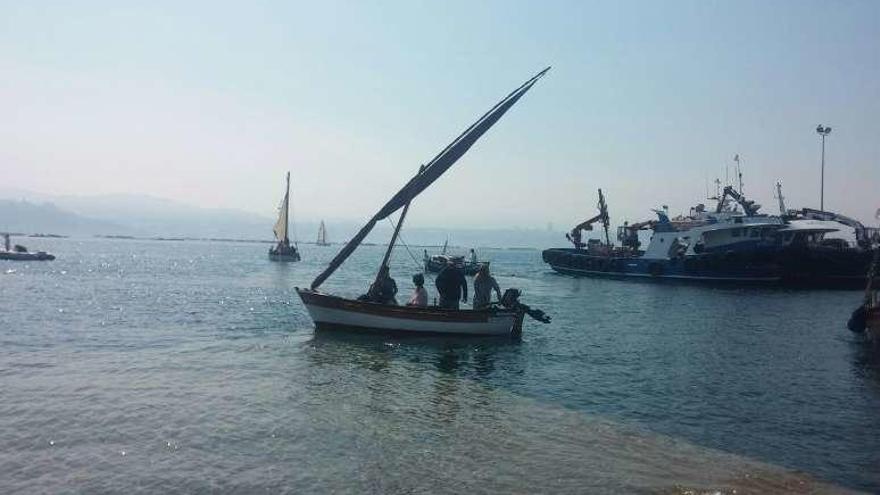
point(210, 103)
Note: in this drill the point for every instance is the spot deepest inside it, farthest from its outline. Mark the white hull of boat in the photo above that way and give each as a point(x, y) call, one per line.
point(330, 312)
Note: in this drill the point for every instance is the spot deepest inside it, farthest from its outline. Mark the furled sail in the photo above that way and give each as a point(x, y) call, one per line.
point(431, 172)
point(280, 228)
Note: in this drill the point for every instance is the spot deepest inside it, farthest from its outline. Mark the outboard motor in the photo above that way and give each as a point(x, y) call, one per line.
point(510, 300)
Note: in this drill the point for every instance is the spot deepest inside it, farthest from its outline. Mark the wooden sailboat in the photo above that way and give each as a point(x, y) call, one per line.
point(333, 312)
point(322, 235)
point(283, 250)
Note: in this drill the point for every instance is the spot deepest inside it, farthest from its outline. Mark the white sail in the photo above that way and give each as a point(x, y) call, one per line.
point(322, 235)
point(280, 228)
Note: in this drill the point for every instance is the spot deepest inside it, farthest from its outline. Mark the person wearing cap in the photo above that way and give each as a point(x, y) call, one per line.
point(420, 294)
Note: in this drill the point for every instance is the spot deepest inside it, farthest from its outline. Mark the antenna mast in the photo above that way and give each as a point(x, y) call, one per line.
point(739, 172)
point(781, 199)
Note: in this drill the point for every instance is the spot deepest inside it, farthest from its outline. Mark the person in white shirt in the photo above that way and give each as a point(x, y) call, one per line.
point(420, 294)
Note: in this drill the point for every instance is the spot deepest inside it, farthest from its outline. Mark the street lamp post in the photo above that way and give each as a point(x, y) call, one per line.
point(822, 131)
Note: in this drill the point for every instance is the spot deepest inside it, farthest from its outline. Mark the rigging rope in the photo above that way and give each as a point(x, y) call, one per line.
point(400, 236)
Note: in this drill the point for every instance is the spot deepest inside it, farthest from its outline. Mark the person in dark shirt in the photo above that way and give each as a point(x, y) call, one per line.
point(452, 286)
point(384, 289)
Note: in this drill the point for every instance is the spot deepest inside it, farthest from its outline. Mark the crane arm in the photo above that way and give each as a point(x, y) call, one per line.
point(575, 235)
point(862, 237)
point(587, 224)
point(749, 206)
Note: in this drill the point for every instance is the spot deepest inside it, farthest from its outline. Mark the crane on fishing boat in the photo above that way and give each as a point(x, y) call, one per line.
point(750, 208)
point(628, 233)
point(576, 237)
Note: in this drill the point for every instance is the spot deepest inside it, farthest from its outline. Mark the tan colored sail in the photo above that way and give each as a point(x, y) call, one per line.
point(280, 228)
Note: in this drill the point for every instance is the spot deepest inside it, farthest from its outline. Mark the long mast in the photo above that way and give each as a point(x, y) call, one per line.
point(287, 210)
point(395, 235)
point(393, 241)
point(282, 224)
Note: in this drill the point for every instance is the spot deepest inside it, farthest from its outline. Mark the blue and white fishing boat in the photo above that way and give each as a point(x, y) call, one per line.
point(732, 243)
point(724, 245)
point(809, 259)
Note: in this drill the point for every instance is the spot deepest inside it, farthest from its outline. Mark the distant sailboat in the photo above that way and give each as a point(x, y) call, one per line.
point(283, 251)
point(322, 235)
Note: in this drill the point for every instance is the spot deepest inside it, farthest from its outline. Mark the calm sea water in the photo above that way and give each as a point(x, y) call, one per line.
point(152, 366)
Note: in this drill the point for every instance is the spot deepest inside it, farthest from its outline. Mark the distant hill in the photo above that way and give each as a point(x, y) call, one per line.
point(155, 216)
point(129, 215)
point(147, 216)
point(29, 218)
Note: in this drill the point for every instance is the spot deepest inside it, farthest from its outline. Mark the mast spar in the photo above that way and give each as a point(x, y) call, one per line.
point(282, 224)
point(603, 211)
point(287, 210)
point(431, 172)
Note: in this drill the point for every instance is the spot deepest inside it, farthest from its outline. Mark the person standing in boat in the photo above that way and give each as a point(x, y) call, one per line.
point(473, 257)
point(420, 294)
point(384, 289)
point(483, 285)
point(452, 286)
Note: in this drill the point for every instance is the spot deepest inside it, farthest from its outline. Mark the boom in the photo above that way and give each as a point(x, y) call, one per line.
point(628, 234)
point(749, 207)
point(863, 238)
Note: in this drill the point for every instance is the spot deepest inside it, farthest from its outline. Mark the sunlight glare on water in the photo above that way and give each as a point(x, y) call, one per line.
point(192, 366)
